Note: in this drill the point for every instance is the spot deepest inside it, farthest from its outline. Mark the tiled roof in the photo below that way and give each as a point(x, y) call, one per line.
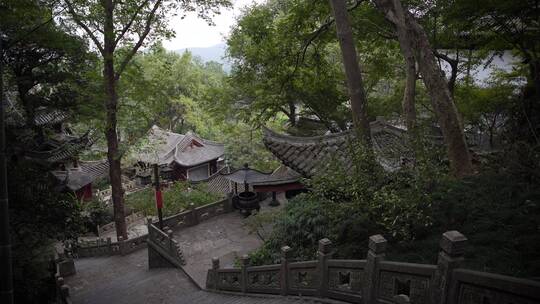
point(188, 150)
point(87, 172)
point(44, 117)
point(217, 183)
point(66, 150)
point(257, 178)
point(308, 155)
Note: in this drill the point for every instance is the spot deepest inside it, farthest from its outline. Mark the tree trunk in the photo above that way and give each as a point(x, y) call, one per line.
point(409, 111)
point(352, 69)
point(111, 103)
point(441, 99)
point(292, 113)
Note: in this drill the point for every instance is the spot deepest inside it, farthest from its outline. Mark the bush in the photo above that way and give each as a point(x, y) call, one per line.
point(175, 199)
point(498, 210)
point(95, 213)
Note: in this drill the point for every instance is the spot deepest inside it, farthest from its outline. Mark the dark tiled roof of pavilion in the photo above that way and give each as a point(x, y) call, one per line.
point(217, 183)
point(165, 147)
point(257, 178)
point(76, 178)
point(65, 151)
point(44, 117)
point(308, 155)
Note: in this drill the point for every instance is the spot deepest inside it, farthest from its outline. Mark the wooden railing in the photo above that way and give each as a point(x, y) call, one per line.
point(375, 280)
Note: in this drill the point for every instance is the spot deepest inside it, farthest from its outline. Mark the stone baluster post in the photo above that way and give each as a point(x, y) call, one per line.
point(244, 262)
point(284, 272)
point(323, 254)
point(450, 257)
point(213, 278)
point(194, 215)
point(170, 236)
point(109, 246)
point(64, 293)
point(376, 253)
point(229, 203)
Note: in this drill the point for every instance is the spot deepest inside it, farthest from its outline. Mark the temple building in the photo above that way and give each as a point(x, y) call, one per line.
point(57, 148)
point(180, 156)
point(310, 155)
point(79, 178)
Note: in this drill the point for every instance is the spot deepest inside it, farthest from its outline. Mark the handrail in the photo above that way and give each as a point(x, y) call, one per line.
point(375, 280)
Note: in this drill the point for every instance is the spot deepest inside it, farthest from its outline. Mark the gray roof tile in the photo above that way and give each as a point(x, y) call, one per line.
point(308, 155)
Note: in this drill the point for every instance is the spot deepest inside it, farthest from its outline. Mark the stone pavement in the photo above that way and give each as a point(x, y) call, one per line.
point(224, 237)
point(127, 280)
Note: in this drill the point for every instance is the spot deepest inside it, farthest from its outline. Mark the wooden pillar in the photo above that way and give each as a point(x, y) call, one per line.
point(376, 253)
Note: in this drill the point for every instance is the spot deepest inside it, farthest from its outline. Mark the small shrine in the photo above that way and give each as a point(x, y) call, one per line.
point(179, 156)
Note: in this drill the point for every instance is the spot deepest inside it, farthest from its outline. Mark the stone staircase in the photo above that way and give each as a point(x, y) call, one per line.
point(127, 280)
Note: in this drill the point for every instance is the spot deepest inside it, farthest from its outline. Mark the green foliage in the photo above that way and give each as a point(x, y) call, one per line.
point(498, 210)
point(39, 216)
point(95, 213)
point(175, 199)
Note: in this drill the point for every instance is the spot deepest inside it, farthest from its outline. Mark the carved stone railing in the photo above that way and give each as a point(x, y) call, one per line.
point(132, 218)
point(105, 247)
point(191, 217)
point(375, 280)
point(163, 249)
point(62, 266)
point(195, 215)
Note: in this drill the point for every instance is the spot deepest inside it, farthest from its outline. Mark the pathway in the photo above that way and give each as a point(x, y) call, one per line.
point(224, 237)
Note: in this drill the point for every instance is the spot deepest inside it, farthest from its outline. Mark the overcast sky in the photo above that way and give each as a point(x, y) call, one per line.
point(194, 32)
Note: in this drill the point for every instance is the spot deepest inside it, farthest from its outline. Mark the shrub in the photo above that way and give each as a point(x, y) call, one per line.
point(498, 210)
point(175, 199)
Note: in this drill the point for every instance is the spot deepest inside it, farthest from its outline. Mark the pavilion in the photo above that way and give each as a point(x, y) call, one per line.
point(181, 156)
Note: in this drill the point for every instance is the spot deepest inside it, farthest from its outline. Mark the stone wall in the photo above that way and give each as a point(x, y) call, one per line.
point(132, 218)
point(375, 280)
point(193, 216)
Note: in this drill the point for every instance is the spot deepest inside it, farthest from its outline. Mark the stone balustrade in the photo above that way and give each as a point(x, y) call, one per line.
point(375, 280)
point(105, 247)
point(192, 216)
point(63, 266)
point(130, 219)
point(163, 249)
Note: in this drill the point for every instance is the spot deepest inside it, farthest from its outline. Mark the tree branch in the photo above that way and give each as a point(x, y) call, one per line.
point(147, 28)
point(309, 41)
point(128, 25)
point(90, 33)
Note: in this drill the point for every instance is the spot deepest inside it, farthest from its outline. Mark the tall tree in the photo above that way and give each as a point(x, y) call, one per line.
point(352, 68)
point(119, 30)
point(412, 36)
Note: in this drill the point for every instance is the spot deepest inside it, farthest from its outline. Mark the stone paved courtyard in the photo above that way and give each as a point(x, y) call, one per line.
point(224, 237)
point(127, 279)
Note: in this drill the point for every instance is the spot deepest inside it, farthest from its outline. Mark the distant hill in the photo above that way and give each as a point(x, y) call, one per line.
point(211, 53)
